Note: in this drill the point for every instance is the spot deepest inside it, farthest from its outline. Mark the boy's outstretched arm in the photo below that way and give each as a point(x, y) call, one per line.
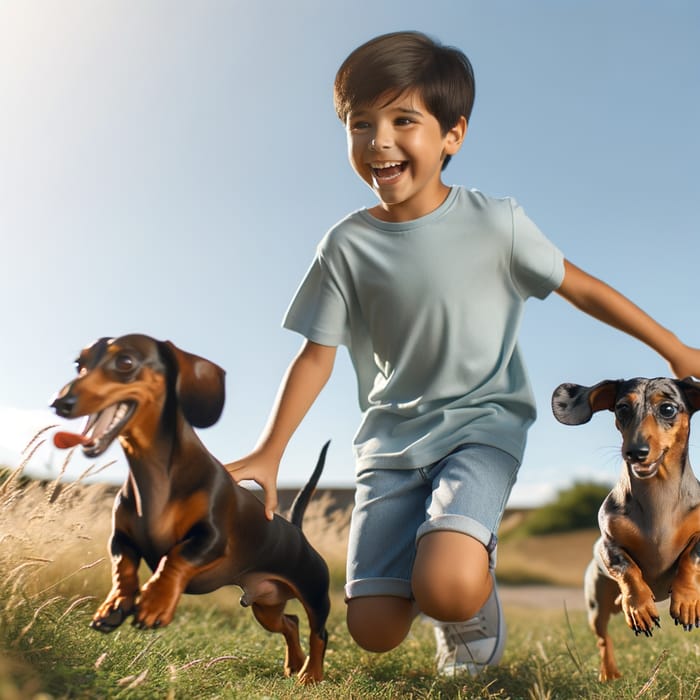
point(306, 376)
point(601, 301)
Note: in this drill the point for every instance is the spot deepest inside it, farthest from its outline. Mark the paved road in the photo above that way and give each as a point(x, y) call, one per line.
point(543, 597)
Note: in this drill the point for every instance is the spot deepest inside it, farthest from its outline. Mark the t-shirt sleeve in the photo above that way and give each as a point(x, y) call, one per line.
point(318, 310)
point(537, 265)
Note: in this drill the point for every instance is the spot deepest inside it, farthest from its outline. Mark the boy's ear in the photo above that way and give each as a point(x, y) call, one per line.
point(455, 137)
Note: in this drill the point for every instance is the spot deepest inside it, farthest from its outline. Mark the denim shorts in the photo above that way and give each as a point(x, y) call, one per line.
point(466, 491)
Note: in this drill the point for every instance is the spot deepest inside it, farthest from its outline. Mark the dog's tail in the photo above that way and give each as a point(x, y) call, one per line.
point(304, 496)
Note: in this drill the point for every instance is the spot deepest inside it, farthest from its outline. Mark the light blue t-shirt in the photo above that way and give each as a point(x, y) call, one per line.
point(430, 311)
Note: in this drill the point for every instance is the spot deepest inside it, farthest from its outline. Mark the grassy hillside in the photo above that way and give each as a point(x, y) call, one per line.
point(53, 573)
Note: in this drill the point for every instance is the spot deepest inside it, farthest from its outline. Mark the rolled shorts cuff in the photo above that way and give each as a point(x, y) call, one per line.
point(398, 587)
point(465, 525)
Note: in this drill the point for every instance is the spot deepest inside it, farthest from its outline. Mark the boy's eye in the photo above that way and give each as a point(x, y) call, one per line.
point(403, 121)
point(359, 126)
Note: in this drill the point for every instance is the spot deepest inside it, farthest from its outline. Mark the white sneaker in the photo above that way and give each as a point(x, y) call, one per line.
point(471, 646)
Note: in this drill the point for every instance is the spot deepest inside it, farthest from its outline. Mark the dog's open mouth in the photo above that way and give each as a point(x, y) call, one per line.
point(100, 429)
point(646, 471)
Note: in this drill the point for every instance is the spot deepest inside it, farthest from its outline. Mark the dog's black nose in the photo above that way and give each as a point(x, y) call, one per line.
point(637, 453)
point(63, 405)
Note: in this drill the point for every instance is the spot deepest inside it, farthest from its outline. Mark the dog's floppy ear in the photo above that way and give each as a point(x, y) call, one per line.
point(691, 389)
point(573, 404)
point(200, 387)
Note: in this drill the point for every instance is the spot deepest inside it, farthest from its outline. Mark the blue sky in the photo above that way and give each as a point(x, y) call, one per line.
point(168, 167)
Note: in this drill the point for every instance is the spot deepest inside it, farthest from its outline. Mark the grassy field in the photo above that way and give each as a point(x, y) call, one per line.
point(53, 573)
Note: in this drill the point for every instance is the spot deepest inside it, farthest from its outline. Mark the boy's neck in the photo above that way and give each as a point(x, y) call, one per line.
point(411, 210)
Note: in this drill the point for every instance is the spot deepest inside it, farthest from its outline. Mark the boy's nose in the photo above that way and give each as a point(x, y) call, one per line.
point(382, 139)
point(377, 145)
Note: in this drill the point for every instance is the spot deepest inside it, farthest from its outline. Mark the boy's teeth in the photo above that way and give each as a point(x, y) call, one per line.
point(387, 171)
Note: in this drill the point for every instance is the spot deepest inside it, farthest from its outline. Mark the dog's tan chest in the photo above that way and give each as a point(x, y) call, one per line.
point(178, 517)
point(653, 545)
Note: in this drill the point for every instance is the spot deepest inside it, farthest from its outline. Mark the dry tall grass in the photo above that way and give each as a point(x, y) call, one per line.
point(54, 567)
point(54, 571)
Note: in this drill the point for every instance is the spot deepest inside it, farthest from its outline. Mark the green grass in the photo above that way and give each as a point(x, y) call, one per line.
point(53, 574)
point(215, 649)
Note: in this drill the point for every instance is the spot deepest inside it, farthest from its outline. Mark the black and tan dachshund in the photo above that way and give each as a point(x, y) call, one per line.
point(179, 509)
point(649, 547)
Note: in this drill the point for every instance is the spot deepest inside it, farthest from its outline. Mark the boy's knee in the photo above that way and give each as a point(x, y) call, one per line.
point(453, 597)
point(451, 576)
point(379, 623)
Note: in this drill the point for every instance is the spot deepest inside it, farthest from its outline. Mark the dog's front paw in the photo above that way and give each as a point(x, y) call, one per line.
point(112, 613)
point(156, 607)
point(685, 608)
point(641, 614)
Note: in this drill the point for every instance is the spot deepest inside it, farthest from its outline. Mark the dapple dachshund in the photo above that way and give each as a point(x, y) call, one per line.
point(649, 547)
point(179, 509)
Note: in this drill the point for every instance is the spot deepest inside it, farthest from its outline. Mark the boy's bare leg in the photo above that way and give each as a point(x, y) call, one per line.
point(451, 581)
point(454, 585)
point(451, 577)
point(380, 623)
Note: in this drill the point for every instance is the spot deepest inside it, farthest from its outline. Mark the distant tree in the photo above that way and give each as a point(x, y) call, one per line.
point(574, 508)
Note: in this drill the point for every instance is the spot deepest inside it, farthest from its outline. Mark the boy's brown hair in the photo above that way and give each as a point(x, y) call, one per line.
point(394, 63)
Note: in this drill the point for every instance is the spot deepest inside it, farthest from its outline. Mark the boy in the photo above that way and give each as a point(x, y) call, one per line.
point(426, 289)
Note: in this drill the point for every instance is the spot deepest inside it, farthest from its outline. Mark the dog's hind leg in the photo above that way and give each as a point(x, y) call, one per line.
point(602, 594)
point(685, 588)
point(273, 619)
point(312, 671)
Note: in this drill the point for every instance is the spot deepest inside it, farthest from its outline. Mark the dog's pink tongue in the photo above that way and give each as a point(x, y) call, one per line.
point(64, 440)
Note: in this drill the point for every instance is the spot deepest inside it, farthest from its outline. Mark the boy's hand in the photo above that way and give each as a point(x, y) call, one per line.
point(306, 376)
point(686, 363)
point(261, 469)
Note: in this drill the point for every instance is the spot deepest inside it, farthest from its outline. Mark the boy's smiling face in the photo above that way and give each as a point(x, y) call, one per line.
point(398, 148)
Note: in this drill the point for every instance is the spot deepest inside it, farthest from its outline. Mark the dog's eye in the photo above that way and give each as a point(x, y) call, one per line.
point(80, 368)
point(124, 363)
point(622, 411)
point(667, 410)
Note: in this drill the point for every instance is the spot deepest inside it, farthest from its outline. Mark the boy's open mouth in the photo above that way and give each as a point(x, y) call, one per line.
point(386, 172)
